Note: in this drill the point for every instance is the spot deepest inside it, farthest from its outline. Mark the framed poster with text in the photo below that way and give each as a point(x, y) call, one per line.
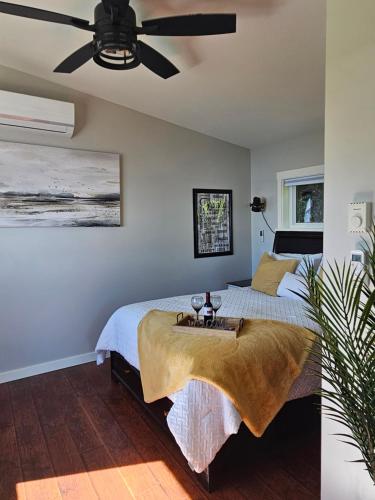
point(213, 221)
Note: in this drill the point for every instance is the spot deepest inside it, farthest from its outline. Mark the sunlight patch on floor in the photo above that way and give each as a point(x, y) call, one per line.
point(140, 479)
point(38, 489)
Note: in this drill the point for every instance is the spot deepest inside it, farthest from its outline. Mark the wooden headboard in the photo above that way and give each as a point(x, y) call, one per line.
point(298, 242)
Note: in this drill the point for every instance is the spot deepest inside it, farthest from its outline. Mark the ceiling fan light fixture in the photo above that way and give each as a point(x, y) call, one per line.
point(115, 39)
point(118, 58)
point(116, 50)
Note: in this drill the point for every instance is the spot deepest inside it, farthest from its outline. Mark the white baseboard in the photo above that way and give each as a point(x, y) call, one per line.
point(50, 366)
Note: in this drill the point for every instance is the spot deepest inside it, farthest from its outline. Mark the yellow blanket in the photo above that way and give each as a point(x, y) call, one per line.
point(255, 371)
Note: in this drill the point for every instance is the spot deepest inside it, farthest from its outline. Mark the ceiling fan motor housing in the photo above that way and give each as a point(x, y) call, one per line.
point(115, 38)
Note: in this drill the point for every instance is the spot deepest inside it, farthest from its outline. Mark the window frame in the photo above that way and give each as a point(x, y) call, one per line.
point(286, 200)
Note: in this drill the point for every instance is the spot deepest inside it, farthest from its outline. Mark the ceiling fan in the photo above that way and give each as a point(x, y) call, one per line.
point(115, 44)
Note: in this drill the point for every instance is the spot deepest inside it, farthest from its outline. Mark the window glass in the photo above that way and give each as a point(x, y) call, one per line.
point(309, 203)
point(300, 199)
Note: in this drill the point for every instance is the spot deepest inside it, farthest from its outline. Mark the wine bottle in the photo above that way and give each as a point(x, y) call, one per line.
point(207, 309)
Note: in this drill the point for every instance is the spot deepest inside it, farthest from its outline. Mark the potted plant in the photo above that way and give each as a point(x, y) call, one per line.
point(343, 305)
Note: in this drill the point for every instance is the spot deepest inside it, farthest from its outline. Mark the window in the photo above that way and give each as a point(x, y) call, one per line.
point(301, 199)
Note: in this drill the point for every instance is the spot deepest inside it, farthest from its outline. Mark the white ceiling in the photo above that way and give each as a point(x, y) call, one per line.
point(260, 85)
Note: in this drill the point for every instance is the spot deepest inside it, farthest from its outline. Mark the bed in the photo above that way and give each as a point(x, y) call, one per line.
point(200, 418)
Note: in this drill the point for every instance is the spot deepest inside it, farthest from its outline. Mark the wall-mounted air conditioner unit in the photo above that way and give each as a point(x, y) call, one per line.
point(36, 113)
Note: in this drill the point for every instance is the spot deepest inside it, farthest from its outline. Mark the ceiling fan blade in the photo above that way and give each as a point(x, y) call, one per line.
point(44, 15)
point(191, 25)
point(77, 59)
point(156, 62)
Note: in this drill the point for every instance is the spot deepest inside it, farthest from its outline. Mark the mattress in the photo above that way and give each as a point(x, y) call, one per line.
point(202, 418)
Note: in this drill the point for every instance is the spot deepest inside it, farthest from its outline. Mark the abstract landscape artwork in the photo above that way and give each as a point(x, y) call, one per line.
point(43, 186)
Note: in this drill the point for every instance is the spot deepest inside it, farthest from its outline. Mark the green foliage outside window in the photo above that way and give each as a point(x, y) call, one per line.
point(309, 203)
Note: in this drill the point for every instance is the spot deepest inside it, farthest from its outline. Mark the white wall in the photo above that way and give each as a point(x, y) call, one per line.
point(59, 285)
point(350, 176)
point(303, 151)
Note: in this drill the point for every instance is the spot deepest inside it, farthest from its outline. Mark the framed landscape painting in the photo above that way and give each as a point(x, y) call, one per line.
point(213, 222)
point(44, 186)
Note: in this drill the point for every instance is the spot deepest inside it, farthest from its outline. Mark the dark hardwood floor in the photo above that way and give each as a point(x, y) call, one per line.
point(75, 434)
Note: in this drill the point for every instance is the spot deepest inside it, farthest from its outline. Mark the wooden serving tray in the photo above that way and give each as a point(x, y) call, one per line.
point(224, 327)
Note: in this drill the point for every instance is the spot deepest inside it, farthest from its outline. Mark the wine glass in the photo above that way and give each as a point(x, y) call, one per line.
point(216, 303)
point(197, 304)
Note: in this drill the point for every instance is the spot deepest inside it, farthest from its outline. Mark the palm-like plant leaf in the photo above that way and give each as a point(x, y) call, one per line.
point(343, 305)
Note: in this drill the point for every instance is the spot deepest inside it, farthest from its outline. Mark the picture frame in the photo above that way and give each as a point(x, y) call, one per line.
point(213, 222)
point(45, 186)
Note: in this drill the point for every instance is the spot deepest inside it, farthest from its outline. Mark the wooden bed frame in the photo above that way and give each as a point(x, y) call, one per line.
point(285, 242)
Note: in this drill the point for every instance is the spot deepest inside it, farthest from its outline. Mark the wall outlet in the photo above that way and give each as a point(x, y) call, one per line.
point(261, 235)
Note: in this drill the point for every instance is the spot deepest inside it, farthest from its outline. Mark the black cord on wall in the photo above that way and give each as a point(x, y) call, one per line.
point(266, 221)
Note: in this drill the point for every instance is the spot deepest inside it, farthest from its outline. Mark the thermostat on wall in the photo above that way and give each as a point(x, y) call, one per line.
point(359, 217)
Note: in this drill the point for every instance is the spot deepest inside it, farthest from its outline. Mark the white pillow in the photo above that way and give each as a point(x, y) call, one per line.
point(313, 259)
point(289, 284)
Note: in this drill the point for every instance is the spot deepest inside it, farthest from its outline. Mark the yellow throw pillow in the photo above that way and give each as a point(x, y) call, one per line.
point(270, 272)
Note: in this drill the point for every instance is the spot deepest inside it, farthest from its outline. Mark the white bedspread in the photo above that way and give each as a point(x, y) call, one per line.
point(202, 418)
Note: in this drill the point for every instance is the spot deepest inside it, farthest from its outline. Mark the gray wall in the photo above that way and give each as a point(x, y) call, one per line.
point(350, 176)
point(304, 151)
point(59, 285)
